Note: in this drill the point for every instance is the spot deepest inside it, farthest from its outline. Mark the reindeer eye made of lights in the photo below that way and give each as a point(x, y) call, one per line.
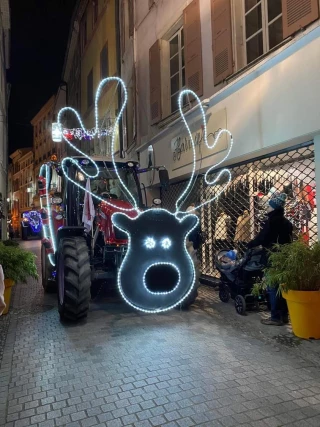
point(150, 243)
point(166, 243)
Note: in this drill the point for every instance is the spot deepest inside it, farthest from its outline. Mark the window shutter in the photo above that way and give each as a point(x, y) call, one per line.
point(221, 40)
point(297, 14)
point(193, 47)
point(155, 82)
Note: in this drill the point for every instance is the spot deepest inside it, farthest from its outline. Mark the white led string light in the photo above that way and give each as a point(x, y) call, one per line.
point(205, 137)
point(159, 310)
point(166, 243)
point(50, 226)
point(155, 265)
point(150, 243)
point(92, 134)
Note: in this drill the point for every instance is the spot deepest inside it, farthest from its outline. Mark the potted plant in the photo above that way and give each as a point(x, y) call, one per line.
point(17, 265)
point(296, 269)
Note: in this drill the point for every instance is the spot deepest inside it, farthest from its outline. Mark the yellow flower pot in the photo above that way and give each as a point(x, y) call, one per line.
point(304, 309)
point(8, 283)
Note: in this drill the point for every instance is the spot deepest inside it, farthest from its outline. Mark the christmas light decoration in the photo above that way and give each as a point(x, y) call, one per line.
point(172, 251)
point(87, 135)
point(217, 178)
point(140, 259)
point(156, 237)
point(166, 243)
point(150, 243)
point(156, 265)
point(48, 229)
point(92, 134)
point(32, 219)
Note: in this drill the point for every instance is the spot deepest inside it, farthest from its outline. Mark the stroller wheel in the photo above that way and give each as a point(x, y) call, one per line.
point(224, 294)
point(240, 304)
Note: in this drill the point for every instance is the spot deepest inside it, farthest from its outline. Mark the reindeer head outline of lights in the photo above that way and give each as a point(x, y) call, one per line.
point(156, 237)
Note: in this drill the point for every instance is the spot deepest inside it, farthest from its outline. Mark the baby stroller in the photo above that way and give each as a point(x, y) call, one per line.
point(238, 278)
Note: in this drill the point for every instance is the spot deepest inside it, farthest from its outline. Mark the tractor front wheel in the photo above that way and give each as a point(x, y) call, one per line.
point(74, 278)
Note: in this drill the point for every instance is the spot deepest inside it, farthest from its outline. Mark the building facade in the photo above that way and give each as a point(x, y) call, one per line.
point(128, 75)
point(4, 99)
point(43, 146)
point(21, 186)
point(42, 142)
point(92, 56)
point(254, 65)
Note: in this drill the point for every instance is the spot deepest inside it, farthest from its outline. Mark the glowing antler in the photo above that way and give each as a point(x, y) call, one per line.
point(50, 226)
point(96, 130)
point(205, 138)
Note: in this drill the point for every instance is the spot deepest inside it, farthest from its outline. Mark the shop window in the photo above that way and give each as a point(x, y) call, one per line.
point(90, 89)
point(237, 216)
point(262, 27)
point(104, 62)
point(176, 67)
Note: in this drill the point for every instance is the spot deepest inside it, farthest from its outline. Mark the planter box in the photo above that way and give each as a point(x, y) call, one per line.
point(304, 309)
point(8, 283)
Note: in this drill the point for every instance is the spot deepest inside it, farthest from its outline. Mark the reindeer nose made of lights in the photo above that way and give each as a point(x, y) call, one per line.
point(157, 272)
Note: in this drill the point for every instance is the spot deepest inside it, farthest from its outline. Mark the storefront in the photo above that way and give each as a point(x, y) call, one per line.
point(272, 111)
point(235, 217)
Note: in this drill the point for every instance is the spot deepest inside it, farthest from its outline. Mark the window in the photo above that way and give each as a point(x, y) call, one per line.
point(177, 68)
point(95, 11)
point(90, 89)
point(262, 26)
point(104, 62)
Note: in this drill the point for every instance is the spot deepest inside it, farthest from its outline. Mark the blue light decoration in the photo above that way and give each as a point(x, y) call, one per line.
point(157, 273)
point(32, 219)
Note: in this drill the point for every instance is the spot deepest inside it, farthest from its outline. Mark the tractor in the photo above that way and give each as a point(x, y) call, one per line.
point(73, 259)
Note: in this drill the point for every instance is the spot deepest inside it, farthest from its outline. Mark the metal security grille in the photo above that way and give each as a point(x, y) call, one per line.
point(236, 216)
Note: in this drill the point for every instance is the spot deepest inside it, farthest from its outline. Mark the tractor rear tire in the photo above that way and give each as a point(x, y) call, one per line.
point(74, 278)
point(49, 286)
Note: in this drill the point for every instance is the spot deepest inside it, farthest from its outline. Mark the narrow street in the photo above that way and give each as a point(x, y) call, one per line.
point(203, 367)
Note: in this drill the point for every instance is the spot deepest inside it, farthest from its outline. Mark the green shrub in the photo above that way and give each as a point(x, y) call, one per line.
point(11, 243)
point(17, 264)
point(295, 267)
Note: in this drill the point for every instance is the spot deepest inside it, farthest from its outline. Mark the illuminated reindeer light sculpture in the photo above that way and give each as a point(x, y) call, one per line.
point(157, 242)
point(157, 272)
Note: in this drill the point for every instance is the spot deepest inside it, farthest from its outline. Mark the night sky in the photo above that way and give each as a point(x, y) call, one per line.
point(39, 36)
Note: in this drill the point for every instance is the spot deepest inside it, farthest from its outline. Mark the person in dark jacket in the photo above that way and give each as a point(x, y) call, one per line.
point(276, 229)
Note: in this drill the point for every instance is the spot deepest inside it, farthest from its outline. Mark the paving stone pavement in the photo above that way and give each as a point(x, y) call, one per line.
point(202, 367)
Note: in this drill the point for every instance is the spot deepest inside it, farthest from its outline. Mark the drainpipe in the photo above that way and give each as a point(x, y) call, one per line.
point(118, 53)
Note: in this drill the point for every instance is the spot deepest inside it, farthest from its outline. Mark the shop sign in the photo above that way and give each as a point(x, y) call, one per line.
point(182, 148)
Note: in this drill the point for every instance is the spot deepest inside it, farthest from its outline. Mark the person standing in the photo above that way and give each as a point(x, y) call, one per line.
point(277, 229)
point(11, 232)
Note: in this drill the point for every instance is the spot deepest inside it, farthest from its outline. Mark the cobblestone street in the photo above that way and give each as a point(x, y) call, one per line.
point(203, 367)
